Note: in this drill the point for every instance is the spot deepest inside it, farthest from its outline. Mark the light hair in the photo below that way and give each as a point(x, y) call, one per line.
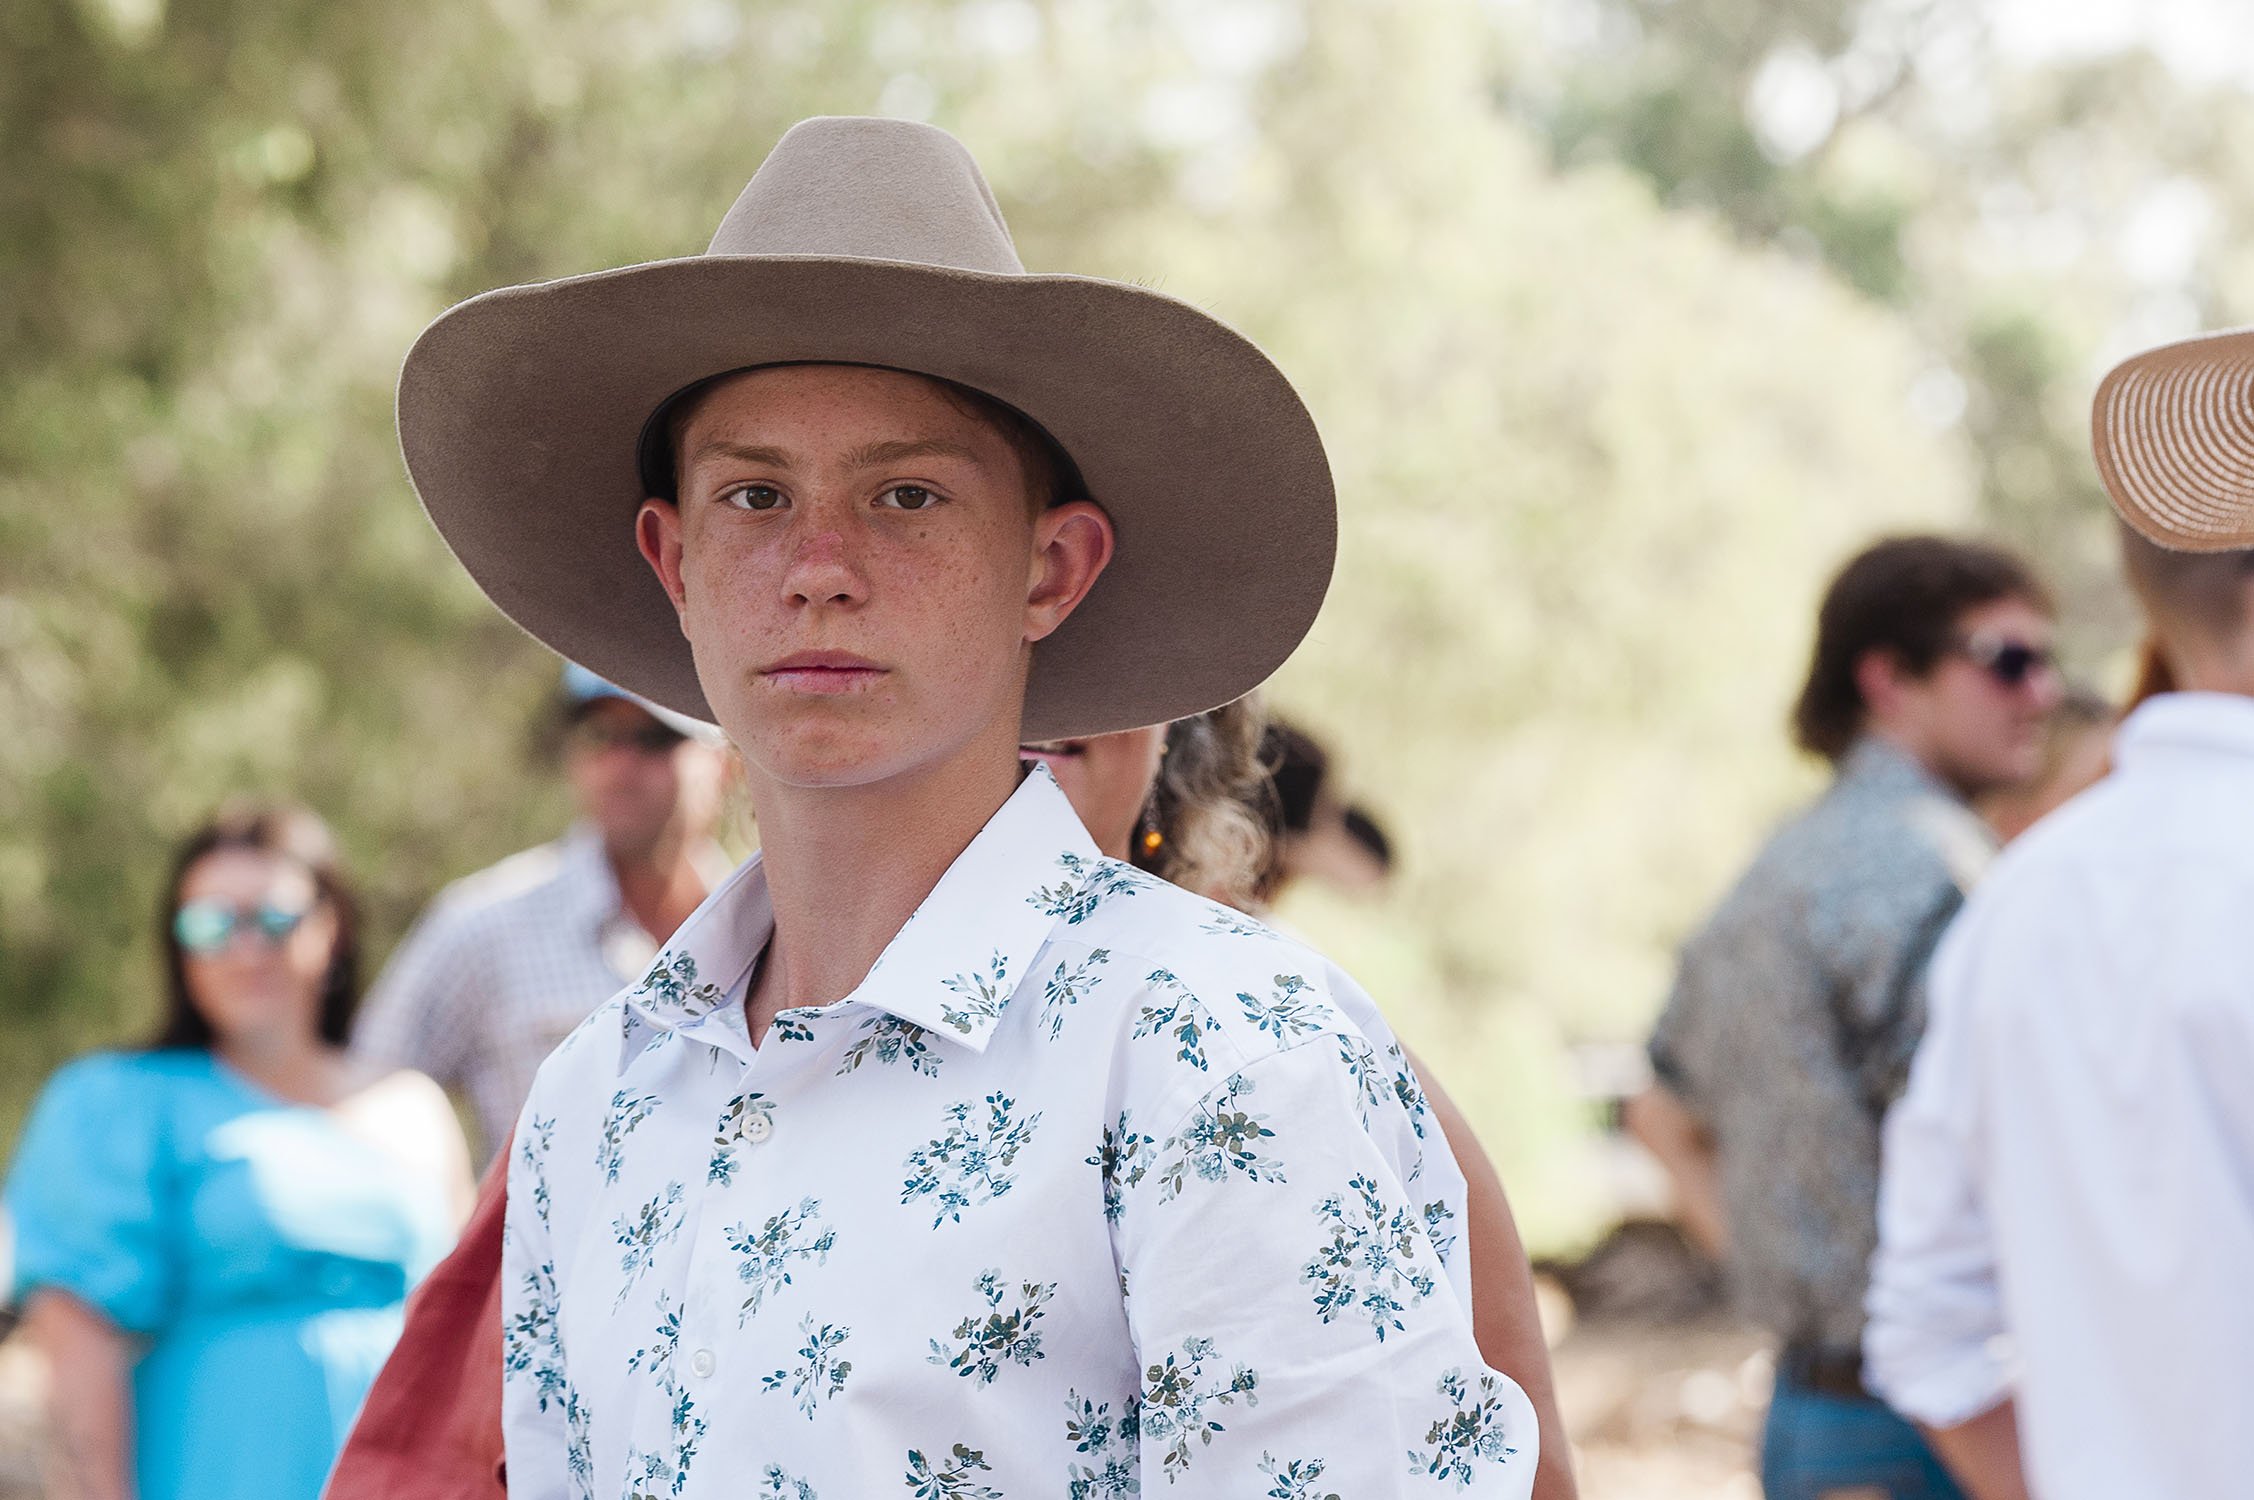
point(2203, 593)
point(1207, 807)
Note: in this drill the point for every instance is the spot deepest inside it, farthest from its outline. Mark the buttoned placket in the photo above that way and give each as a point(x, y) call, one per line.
point(711, 1292)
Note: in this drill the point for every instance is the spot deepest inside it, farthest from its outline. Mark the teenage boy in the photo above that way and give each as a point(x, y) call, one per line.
point(937, 1154)
point(506, 962)
point(1796, 1006)
point(2067, 1216)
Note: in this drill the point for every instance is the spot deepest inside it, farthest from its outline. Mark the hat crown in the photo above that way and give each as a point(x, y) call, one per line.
point(870, 189)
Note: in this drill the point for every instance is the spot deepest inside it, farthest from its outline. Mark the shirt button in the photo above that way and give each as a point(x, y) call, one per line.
point(759, 1128)
point(701, 1362)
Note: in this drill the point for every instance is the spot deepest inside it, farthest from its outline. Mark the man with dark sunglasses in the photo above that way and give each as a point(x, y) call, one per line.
point(1798, 1005)
point(505, 963)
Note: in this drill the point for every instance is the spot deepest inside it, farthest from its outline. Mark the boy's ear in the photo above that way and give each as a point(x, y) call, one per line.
point(657, 532)
point(1072, 543)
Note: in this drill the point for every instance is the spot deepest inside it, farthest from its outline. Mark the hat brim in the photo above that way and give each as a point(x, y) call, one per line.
point(2173, 433)
point(520, 412)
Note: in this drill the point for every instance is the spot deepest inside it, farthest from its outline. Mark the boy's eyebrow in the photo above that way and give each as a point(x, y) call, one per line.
point(873, 455)
point(774, 458)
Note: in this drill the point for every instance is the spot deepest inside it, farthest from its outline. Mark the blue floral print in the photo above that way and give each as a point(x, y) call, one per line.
point(1065, 987)
point(643, 1233)
point(983, 1343)
point(747, 1111)
point(970, 1162)
point(1292, 1012)
point(982, 991)
point(793, 1236)
point(1370, 1262)
point(1217, 1139)
point(1112, 1444)
point(889, 1040)
point(1138, 1160)
point(950, 1479)
point(1180, 1015)
point(819, 1373)
point(1087, 884)
point(1182, 1402)
point(1471, 1434)
point(1295, 1480)
point(1120, 1161)
point(627, 1110)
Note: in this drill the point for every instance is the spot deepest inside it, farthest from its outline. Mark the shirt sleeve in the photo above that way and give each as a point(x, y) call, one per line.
point(87, 1196)
point(1297, 1333)
point(543, 1421)
point(1934, 1346)
point(417, 1015)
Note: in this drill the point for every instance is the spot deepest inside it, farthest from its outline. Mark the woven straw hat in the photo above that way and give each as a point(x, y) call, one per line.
point(877, 242)
point(2173, 429)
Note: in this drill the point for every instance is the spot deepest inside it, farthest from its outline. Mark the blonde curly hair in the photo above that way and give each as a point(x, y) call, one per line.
point(1208, 827)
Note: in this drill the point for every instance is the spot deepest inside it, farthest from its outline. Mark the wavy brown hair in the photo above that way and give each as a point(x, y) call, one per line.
point(1209, 805)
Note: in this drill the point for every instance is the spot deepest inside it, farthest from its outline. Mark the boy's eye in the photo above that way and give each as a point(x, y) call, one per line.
point(908, 497)
point(753, 497)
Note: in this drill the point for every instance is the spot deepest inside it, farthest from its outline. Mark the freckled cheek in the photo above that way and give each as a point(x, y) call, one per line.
point(953, 610)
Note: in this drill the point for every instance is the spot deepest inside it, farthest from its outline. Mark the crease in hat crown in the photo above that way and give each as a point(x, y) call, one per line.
point(844, 187)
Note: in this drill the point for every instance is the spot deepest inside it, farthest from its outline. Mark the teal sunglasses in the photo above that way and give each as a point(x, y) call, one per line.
point(207, 927)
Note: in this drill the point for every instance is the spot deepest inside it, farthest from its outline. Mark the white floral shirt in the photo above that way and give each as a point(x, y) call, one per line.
point(1091, 1186)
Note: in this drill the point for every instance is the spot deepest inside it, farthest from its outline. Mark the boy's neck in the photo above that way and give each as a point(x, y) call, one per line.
point(847, 866)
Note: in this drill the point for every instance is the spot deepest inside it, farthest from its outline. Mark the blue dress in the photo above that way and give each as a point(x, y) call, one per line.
point(260, 1251)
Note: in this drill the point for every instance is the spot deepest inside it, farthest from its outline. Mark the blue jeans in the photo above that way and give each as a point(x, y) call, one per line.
point(1814, 1444)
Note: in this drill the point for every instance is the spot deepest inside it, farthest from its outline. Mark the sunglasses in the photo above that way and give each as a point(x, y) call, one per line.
point(644, 739)
point(207, 927)
point(2008, 661)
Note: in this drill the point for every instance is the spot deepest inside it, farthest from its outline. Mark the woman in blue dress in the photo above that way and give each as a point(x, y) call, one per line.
point(214, 1236)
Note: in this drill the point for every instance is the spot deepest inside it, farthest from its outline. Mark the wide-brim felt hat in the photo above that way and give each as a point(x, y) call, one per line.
point(2173, 431)
point(522, 414)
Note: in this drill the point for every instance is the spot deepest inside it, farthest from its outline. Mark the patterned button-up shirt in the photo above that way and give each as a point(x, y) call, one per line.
point(1792, 1023)
point(1091, 1185)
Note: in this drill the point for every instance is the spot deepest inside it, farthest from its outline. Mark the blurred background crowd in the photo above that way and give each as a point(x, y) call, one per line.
point(1626, 322)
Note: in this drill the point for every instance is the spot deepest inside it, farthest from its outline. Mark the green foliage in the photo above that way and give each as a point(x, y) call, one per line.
point(1595, 452)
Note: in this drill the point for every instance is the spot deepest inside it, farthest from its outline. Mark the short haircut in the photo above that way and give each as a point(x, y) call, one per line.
point(1905, 596)
point(1051, 478)
point(2200, 592)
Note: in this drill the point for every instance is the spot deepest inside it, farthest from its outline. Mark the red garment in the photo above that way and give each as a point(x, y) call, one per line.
point(431, 1428)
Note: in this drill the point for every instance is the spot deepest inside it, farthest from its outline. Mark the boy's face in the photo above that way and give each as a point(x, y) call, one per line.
point(859, 570)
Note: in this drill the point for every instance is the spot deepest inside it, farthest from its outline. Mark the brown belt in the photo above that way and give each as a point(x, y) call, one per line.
point(1827, 1370)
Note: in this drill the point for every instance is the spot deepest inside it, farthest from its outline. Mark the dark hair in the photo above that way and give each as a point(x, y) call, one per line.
point(291, 832)
point(1211, 807)
point(2203, 592)
point(1904, 596)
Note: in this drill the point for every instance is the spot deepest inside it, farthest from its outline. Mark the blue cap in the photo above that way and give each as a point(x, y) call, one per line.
point(581, 687)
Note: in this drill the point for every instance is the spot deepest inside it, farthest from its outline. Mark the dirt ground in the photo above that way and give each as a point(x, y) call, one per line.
point(1655, 1413)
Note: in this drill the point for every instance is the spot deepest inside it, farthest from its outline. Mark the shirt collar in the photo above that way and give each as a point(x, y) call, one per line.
point(2212, 723)
point(951, 967)
point(1874, 764)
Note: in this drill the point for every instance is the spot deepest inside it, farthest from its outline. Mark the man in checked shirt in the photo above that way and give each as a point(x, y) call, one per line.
point(506, 962)
point(938, 1154)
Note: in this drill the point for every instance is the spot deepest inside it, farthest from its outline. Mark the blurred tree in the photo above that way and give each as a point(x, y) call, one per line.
point(1594, 456)
point(2032, 219)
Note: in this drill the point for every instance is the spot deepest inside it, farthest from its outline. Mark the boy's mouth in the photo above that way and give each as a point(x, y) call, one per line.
point(822, 672)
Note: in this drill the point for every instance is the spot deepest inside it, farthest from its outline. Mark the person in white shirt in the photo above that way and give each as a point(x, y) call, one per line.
point(938, 1154)
point(2066, 1212)
point(504, 963)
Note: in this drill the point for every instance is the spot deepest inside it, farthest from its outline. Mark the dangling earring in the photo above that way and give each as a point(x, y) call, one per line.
point(1148, 840)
